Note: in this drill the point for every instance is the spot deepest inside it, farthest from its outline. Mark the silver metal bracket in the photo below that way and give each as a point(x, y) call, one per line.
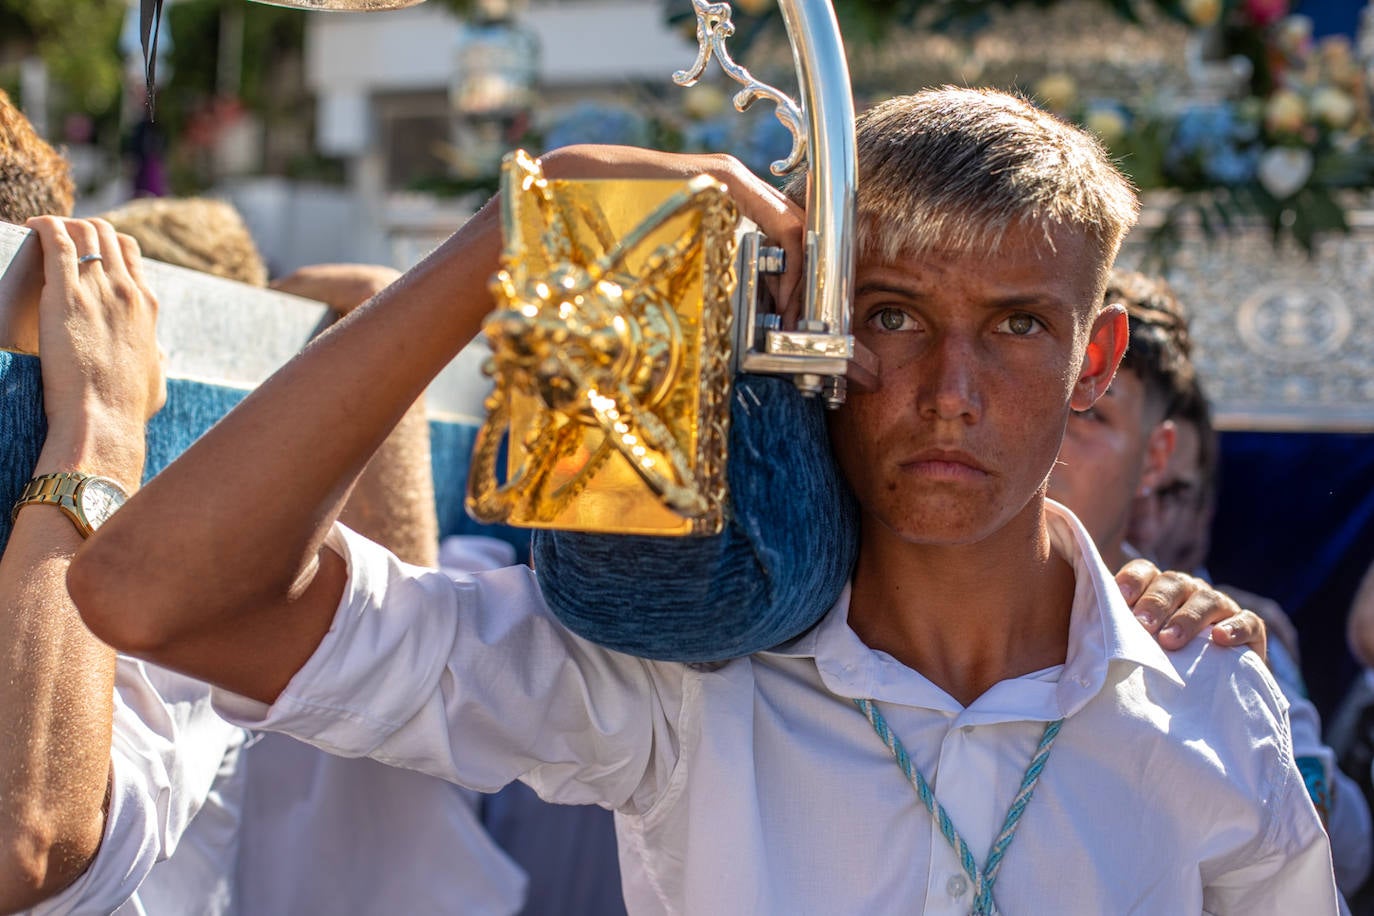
point(820, 352)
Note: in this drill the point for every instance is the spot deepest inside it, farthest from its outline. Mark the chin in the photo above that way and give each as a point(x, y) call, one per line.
point(942, 526)
point(946, 519)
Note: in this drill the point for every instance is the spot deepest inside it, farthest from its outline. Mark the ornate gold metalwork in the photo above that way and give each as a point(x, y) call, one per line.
point(610, 356)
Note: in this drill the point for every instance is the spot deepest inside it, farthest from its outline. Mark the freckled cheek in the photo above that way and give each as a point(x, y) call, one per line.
point(856, 431)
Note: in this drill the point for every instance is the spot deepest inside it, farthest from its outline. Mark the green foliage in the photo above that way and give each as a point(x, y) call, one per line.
point(78, 40)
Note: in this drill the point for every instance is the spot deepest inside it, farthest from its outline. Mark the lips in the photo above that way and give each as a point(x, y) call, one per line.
point(945, 464)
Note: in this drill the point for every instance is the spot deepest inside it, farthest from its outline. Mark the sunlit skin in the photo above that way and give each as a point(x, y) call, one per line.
point(1112, 452)
point(982, 358)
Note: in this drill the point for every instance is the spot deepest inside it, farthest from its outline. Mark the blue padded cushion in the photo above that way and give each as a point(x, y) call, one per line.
point(784, 557)
point(23, 426)
point(191, 409)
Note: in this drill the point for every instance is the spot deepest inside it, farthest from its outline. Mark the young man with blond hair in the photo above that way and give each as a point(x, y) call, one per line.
point(981, 681)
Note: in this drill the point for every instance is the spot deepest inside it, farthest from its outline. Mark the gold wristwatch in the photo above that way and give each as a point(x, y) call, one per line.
point(88, 500)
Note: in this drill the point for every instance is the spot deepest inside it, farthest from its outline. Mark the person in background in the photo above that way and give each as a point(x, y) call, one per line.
point(121, 790)
point(86, 751)
point(1141, 463)
point(1352, 729)
point(200, 233)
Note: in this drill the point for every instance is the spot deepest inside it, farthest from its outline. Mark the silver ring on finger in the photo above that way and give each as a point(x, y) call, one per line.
point(88, 258)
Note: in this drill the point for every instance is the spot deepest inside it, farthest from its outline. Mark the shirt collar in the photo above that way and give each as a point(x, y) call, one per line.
point(1101, 630)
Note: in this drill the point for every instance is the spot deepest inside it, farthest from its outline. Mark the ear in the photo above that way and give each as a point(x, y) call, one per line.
point(1159, 448)
point(1106, 342)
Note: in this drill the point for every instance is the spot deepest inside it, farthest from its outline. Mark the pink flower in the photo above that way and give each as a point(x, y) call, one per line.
point(1265, 13)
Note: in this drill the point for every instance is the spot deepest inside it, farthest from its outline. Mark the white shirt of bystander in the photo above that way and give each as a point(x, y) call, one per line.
point(756, 786)
point(206, 821)
point(172, 828)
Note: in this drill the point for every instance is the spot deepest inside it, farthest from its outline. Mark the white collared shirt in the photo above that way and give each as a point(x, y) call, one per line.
point(171, 833)
point(201, 823)
point(756, 787)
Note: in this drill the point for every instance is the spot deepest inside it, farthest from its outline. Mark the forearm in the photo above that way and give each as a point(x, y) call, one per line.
point(55, 736)
point(215, 567)
point(57, 692)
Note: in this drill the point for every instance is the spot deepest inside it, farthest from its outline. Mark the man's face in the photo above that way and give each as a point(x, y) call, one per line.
point(1102, 460)
point(981, 356)
point(1171, 524)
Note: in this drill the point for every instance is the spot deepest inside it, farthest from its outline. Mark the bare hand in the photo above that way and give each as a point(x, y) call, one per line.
point(779, 219)
point(342, 287)
point(1175, 607)
point(102, 368)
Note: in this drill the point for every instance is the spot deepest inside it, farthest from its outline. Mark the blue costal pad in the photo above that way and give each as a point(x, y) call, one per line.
point(781, 563)
point(22, 429)
point(192, 408)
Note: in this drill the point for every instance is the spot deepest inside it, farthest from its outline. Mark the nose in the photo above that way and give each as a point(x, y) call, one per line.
point(948, 380)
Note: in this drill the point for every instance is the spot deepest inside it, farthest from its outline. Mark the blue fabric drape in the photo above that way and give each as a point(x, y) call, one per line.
point(192, 408)
point(1295, 523)
point(22, 429)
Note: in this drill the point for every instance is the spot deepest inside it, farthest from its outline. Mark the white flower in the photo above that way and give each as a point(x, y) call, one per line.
point(1058, 91)
point(1332, 107)
point(704, 101)
point(1284, 170)
point(1107, 123)
point(1285, 112)
point(1202, 13)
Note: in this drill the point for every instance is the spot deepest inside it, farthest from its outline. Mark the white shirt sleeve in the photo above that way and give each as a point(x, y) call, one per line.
point(1347, 821)
point(168, 747)
point(472, 680)
point(1288, 870)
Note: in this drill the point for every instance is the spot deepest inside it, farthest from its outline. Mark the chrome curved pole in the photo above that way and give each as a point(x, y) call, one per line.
point(819, 353)
point(828, 106)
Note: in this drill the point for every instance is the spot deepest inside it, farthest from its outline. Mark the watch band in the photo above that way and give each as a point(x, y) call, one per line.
point(50, 489)
point(55, 490)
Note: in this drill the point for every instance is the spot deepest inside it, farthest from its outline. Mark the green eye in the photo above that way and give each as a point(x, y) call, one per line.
point(891, 319)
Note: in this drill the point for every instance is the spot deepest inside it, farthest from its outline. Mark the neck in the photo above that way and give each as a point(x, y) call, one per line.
point(969, 615)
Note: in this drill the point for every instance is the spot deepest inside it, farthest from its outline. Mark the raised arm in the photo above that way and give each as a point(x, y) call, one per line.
point(393, 501)
point(217, 567)
point(102, 380)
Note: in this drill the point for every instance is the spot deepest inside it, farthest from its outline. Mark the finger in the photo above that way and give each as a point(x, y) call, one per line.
point(1133, 580)
point(112, 259)
point(133, 261)
point(1244, 629)
point(59, 249)
point(291, 283)
point(86, 241)
point(782, 223)
point(1203, 607)
point(160, 395)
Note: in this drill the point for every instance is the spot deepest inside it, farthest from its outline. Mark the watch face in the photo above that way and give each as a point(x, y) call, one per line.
point(99, 500)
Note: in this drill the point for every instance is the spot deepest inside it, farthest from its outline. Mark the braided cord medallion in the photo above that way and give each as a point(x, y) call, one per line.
point(983, 878)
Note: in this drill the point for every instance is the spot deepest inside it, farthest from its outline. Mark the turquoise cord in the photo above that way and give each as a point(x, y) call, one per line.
point(983, 879)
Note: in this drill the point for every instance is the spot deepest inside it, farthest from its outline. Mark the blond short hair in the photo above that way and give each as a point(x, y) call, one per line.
point(34, 178)
point(956, 168)
point(196, 232)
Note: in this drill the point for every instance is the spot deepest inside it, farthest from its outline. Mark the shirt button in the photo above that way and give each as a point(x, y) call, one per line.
point(956, 886)
point(967, 729)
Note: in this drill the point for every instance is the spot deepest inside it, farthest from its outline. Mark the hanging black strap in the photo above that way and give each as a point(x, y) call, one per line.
point(149, 26)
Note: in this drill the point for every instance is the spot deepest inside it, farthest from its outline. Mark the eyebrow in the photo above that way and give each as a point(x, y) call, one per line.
point(915, 294)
